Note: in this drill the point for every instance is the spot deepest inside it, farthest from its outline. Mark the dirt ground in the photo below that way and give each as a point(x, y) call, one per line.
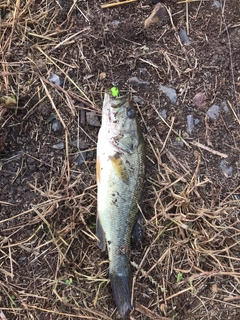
point(50, 266)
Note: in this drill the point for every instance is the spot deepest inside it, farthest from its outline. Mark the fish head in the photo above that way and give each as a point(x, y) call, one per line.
point(119, 122)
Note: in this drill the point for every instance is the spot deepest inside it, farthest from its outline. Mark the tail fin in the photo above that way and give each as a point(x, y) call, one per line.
point(121, 292)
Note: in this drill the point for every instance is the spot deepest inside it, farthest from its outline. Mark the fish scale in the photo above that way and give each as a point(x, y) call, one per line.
point(120, 174)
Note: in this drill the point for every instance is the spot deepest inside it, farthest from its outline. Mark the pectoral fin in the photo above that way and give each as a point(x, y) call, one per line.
point(100, 235)
point(120, 167)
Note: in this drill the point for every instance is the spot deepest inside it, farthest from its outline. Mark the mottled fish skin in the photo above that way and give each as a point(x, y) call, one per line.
point(120, 174)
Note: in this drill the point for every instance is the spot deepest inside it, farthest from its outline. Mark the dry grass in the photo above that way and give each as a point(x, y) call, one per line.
point(50, 267)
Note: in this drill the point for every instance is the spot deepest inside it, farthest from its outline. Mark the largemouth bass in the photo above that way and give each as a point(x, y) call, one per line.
point(120, 174)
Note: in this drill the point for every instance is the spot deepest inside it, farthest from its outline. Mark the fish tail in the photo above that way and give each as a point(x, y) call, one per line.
point(120, 284)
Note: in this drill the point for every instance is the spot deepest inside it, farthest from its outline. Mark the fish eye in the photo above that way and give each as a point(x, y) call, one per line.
point(131, 113)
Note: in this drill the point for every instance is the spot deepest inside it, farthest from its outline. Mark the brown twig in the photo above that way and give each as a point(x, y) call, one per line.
point(202, 146)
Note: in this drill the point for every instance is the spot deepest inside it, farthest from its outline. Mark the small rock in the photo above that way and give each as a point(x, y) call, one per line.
point(213, 112)
point(158, 14)
point(224, 107)
point(20, 259)
point(44, 109)
point(83, 117)
point(78, 144)
point(56, 126)
point(115, 23)
point(81, 157)
point(134, 81)
point(163, 113)
point(170, 93)
point(196, 121)
point(208, 76)
point(190, 123)
point(59, 146)
point(216, 4)
point(138, 100)
point(179, 142)
point(54, 78)
point(91, 153)
point(236, 196)
point(145, 48)
point(184, 37)
point(226, 168)
point(51, 117)
point(102, 75)
point(142, 70)
point(92, 119)
point(199, 100)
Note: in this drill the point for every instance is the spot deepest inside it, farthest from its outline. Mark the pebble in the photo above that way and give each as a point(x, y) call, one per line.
point(216, 4)
point(59, 146)
point(226, 168)
point(145, 48)
point(81, 144)
point(115, 23)
point(134, 81)
point(44, 109)
point(51, 117)
point(81, 157)
point(190, 123)
point(20, 259)
point(92, 119)
point(102, 75)
point(91, 153)
point(75, 143)
point(142, 70)
point(138, 100)
point(163, 113)
point(179, 142)
point(213, 112)
point(54, 78)
point(56, 125)
point(224, 107)
point(184, 37)
point(196, 121)
point(236, 196)
point(170, 93)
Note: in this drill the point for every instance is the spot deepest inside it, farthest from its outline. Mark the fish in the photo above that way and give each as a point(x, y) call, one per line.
point(120, 169)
